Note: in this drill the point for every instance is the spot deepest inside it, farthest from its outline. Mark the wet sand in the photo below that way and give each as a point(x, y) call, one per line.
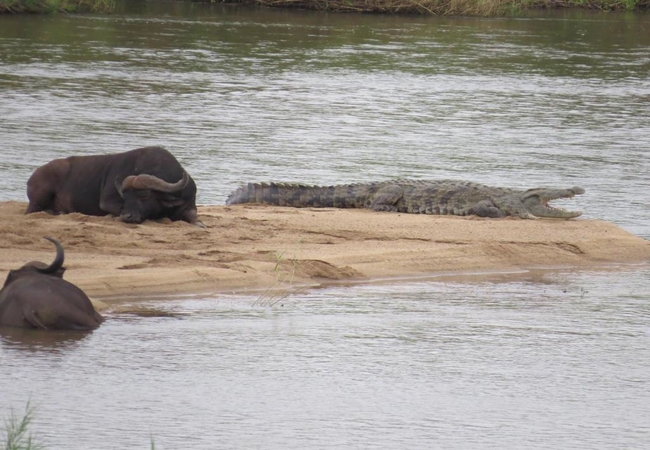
point(255, 247)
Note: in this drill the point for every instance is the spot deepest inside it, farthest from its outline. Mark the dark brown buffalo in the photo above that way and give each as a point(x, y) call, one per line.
point(145, 183)
point(37, 296)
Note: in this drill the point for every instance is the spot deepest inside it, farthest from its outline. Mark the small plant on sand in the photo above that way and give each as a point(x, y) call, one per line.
point(285, 271)
point(16, 435)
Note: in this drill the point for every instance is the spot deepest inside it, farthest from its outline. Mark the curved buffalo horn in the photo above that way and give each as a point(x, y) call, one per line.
point(146, 181)
point(58, 260)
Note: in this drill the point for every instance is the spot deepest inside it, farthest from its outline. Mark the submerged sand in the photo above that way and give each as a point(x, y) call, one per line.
point(248, 247)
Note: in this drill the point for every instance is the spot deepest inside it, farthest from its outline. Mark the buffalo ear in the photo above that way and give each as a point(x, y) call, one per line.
point(11, 276)
point(118, 187)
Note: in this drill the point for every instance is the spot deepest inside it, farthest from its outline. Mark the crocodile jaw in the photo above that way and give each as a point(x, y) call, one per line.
point(536, 202)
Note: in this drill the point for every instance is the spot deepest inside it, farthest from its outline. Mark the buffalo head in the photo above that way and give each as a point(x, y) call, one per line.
point(55, 269)
point(148, 197)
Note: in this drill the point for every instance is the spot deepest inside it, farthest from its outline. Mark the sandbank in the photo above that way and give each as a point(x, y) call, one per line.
point(256, 247)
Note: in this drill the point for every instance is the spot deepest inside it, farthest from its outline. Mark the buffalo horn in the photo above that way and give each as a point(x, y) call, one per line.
point(58, 260)
point(146, 181)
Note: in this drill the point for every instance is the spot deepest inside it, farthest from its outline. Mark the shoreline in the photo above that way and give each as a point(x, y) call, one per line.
point(256, 248)
point(461, 8)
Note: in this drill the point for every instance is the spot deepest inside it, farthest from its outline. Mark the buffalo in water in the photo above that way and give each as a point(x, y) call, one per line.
point(37, 296)
point(145, 183)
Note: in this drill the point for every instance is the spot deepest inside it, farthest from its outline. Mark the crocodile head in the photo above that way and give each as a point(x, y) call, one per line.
point(536, 200)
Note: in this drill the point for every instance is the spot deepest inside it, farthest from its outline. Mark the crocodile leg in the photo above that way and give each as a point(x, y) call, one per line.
point(385, 199)
point(485, 208)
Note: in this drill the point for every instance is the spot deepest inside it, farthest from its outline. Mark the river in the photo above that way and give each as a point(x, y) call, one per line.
point(541, 360)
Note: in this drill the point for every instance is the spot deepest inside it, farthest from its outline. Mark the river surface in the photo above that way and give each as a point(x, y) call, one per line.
point(544, 360)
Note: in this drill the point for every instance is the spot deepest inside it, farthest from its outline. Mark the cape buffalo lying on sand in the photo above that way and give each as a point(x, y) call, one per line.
point(145, 183)
point(37, 296)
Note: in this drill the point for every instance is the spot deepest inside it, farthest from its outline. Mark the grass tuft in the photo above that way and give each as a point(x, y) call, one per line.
point(285, 271)
point(17, 436)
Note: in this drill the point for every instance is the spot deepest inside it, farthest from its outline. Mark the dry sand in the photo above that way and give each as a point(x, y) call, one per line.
point(247, 247)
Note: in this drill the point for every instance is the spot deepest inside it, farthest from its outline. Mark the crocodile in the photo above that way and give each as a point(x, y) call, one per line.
point(450, 197)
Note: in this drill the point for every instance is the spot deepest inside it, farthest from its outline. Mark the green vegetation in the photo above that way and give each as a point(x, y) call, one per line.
point(49, 6)
point(16, 435)
point(427, 7)
point(284, 270)
point(455, 7)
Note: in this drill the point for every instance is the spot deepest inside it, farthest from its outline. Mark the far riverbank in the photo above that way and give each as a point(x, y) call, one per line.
point(485, 8)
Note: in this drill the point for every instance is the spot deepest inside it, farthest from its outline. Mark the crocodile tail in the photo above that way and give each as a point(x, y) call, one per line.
point(244, 194)
point(295, 195)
